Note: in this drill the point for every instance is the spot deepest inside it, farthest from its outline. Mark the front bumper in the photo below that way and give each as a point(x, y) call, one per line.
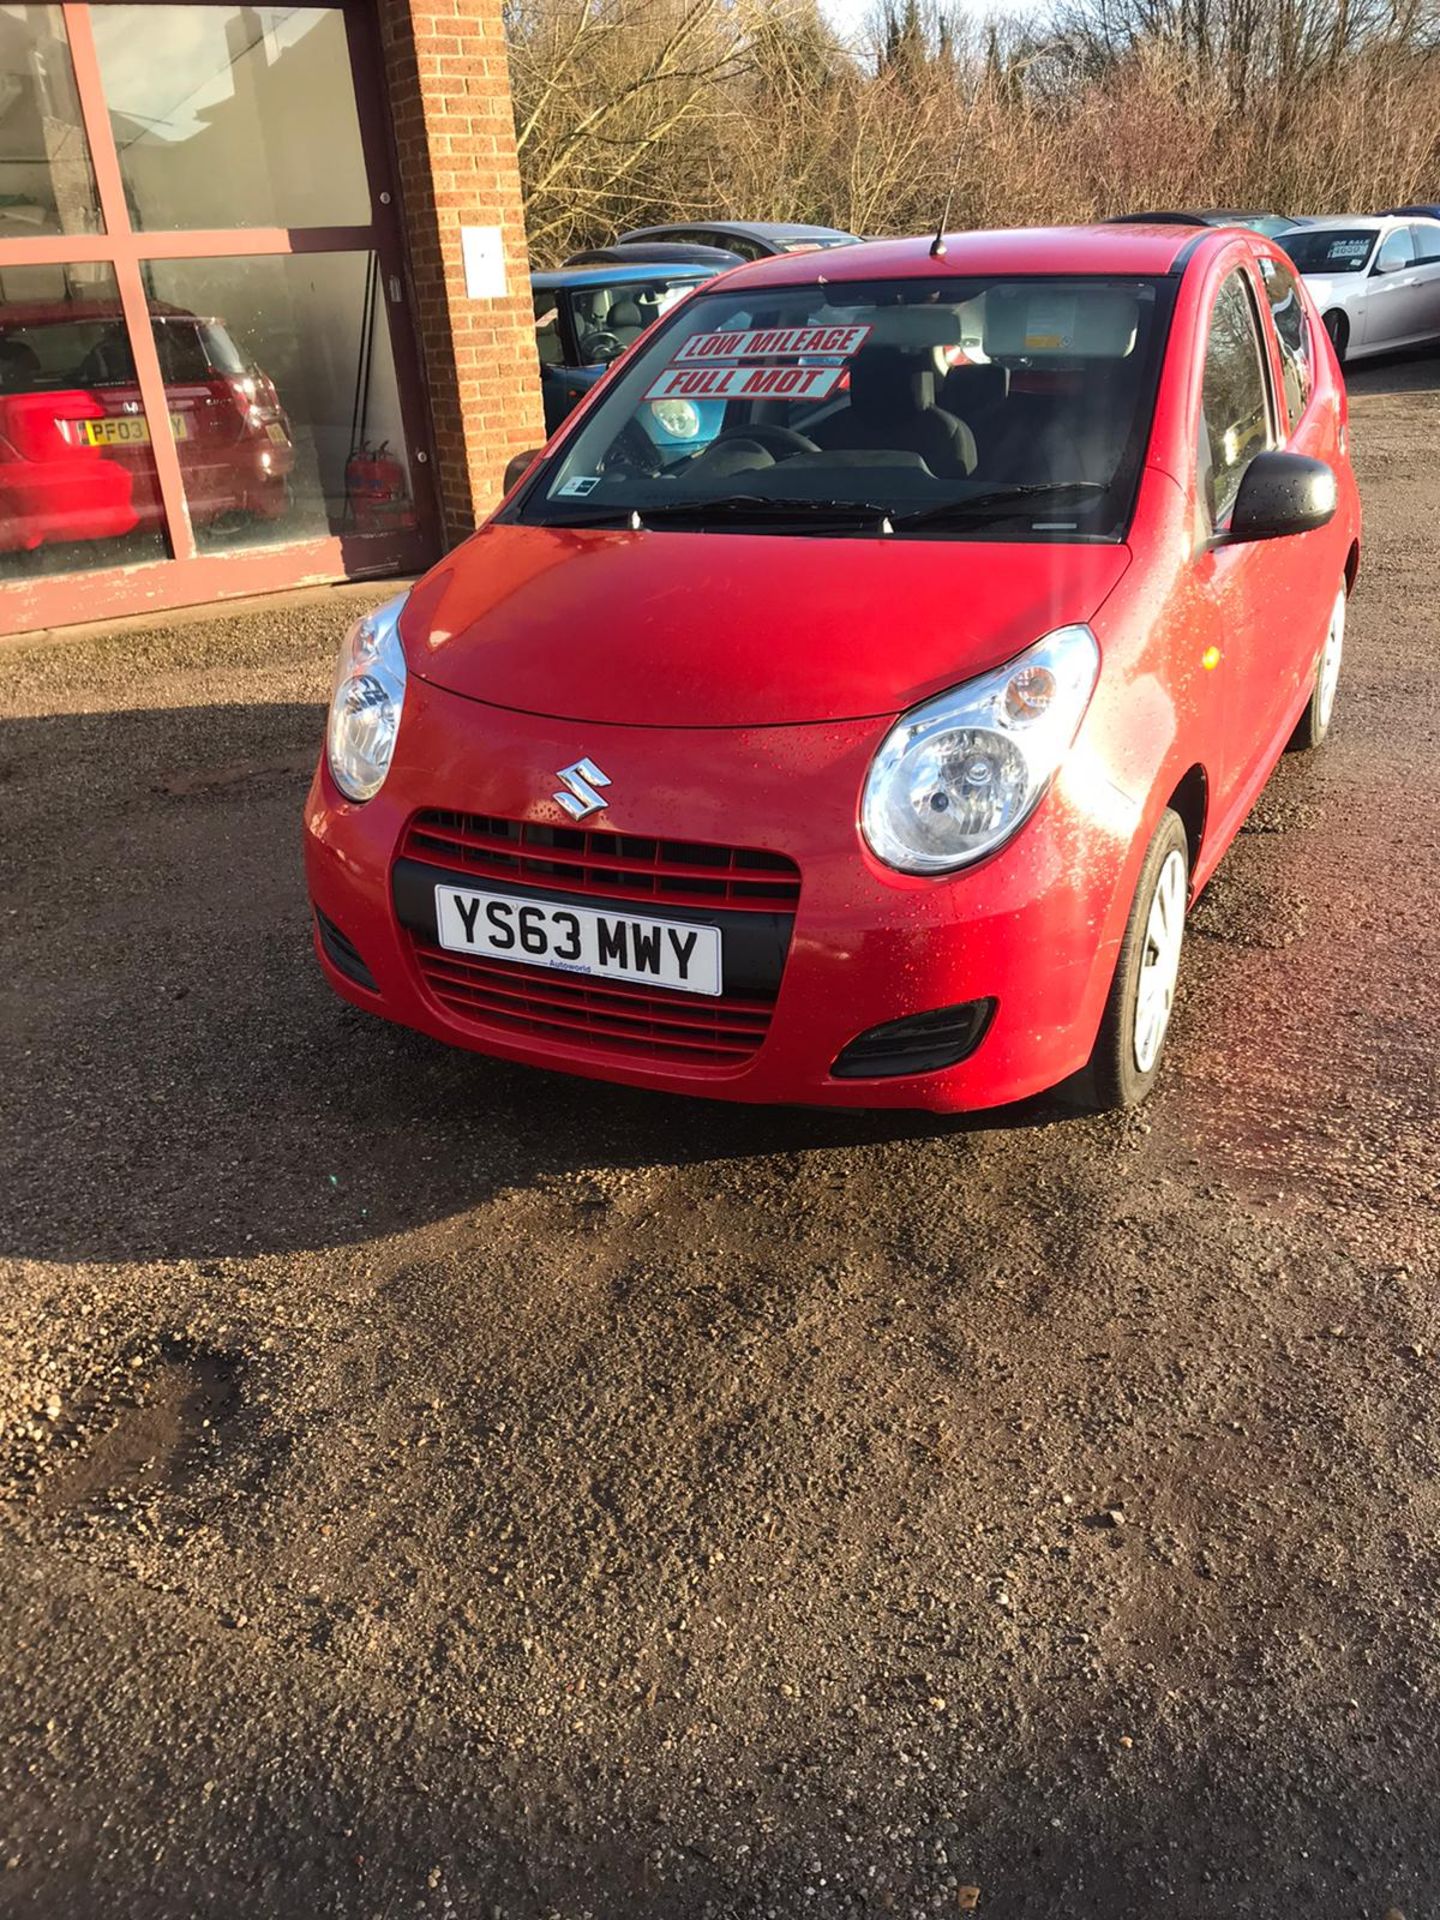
point(1035, 929)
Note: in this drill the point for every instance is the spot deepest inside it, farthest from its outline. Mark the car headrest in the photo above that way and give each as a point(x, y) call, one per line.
point(625, 313)
point(19, 366)
point(1060, 323)
point(885, 380)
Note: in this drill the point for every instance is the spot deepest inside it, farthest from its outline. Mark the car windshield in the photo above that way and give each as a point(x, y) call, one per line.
point(1330, 250)
point(610, 317)
point(991, 408)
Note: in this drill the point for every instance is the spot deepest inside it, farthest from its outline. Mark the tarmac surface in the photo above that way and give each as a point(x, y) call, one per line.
point(431, 1487)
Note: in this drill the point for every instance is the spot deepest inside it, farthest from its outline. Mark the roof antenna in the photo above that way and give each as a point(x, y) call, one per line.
point(937, 245)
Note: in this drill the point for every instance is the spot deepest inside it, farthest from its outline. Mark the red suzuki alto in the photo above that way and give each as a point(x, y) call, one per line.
point(850, 703)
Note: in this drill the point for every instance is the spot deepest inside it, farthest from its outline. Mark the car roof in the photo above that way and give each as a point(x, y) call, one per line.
point(45, 313)
point(777, 230)
point(626, 275)
point(1121, 249)
point(1367, 222)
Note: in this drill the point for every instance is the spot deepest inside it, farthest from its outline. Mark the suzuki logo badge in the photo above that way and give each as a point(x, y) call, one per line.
point(582, 779)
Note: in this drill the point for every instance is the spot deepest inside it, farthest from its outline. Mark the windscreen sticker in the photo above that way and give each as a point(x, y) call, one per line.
point(578, 486)
point(746, 383)
point(1049, 324)
point(774, 343)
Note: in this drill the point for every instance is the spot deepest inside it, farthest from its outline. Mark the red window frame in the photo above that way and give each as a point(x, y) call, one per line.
point(188, 577)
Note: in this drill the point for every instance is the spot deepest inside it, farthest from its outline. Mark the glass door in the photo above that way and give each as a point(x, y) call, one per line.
point(207, 376)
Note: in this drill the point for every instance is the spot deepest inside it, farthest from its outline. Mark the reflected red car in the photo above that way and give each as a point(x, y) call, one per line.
point(75, 459)
point(871, 748)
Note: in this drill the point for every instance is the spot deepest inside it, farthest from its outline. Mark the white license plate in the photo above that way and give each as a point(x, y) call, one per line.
point(610, 944)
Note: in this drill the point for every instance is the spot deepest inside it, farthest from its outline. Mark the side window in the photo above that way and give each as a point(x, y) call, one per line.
point(1234, 414)
point(1425, 237)
point(1292, 327)
point(547, 330)
point(736, 243)
point(1395, 252)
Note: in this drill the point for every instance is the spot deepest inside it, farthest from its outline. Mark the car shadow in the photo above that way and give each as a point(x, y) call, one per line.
point(1410, 372)
point(182, 1082)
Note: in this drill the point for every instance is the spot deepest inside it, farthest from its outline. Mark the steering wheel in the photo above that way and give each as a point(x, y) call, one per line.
point(778, 441)
point(601, 345)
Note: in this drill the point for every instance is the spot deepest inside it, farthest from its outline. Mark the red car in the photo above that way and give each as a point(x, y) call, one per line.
point(75, 460)
point(869, 750)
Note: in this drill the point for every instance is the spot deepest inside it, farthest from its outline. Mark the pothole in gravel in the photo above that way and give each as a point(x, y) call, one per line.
point(139, 1430)
point(192, 781)
point(1243, 911)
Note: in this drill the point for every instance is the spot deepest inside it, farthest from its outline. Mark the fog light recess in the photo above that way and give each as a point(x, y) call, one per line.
point(922, 1043)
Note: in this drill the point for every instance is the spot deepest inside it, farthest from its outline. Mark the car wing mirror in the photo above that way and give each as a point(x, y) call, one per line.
point(1281, 494)
point(517, 468)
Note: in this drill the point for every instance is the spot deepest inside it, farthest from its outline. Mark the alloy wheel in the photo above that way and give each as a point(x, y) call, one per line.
point(1330, 663)
point(1160, 961)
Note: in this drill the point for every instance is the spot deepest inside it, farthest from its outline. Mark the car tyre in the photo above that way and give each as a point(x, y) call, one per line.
point(1131, 1043)
point(1338, 328)
point(1314, 723)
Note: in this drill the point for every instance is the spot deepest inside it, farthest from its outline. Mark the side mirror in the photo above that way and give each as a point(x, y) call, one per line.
point(1281, 494)
point(517, 468)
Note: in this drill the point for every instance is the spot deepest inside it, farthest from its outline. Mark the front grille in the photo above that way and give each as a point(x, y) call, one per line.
point(621, 866)
point(614, 1015)
point(749, 895)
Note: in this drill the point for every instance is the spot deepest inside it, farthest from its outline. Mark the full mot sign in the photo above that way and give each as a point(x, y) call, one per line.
point(745, 383)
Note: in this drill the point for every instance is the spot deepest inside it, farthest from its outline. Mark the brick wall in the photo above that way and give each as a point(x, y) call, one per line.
point(449, 89)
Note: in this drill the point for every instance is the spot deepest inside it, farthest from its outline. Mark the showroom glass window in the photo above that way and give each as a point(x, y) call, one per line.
point(197, 326)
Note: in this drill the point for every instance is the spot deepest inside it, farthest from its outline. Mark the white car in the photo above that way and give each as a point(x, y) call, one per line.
point(1375, 279)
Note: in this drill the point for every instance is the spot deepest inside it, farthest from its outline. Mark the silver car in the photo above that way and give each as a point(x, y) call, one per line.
point(1375, 278)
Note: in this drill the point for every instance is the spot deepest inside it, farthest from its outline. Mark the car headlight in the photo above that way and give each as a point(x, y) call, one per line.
point(953, 779)
point(365, 706)
point(678, 418)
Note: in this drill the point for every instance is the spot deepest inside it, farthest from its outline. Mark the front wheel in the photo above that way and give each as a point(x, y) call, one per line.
point(1126, 1061)
point(1314, 723)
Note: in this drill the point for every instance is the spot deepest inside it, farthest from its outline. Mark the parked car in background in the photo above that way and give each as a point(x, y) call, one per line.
point(1375, 279)
point(870, 750)
point(655, 253)
point(585, 317)
point(1272, 225)
point(75, 461)
point(1427, 210)
point(751, 239)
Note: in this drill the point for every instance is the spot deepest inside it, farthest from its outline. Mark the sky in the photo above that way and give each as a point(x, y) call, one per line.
point(849, 16)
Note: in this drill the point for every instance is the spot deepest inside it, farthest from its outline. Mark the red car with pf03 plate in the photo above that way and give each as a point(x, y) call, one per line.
point(869, 747)
point(75, 460)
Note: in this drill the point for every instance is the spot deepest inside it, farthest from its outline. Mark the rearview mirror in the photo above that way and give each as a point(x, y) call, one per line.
point(1281, 494)
point(517, 468)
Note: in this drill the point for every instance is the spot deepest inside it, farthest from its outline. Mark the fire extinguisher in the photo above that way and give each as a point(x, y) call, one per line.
point(376, 490)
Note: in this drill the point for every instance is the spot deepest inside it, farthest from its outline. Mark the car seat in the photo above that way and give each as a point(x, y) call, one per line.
point(977, 395)
point(892, 409)
point(626, 322)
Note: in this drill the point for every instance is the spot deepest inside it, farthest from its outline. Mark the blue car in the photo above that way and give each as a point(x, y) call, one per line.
point(585, 317)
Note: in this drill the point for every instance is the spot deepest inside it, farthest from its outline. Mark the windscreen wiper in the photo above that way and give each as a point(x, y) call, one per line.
point(998, 503)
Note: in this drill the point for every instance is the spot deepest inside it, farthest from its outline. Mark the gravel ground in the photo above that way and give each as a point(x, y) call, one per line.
point(435, 1488)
